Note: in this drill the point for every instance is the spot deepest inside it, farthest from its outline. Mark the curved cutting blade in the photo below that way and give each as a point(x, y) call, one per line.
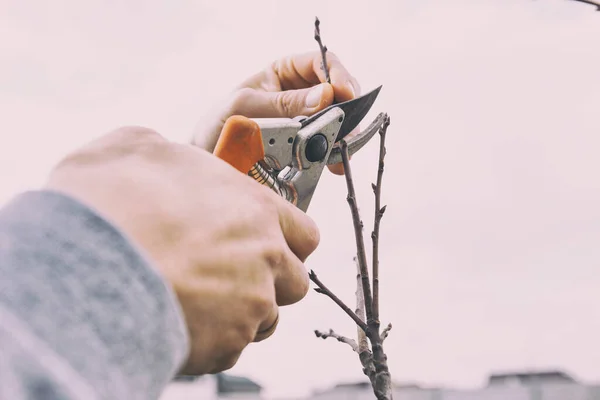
point(359, 141)
point(355, 110)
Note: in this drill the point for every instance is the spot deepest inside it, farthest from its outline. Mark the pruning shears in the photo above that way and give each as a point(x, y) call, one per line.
point(289, 154)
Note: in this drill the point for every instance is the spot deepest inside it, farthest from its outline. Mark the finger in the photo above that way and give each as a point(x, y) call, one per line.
point(304, 70)
point(299, 230)
point(301, 237)
point(338, 169)
point(287, 104)
point(255, 103)
point(267, 328)
point(291, 280)
point(345, 86)
point(127, 137)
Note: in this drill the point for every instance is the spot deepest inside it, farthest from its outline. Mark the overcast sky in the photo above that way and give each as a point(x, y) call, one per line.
point(491, 243)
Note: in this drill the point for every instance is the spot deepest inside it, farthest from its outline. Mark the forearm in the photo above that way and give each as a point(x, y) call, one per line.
point(83, 314)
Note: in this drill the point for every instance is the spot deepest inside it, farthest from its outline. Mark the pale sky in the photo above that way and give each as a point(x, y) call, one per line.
point(490, 249)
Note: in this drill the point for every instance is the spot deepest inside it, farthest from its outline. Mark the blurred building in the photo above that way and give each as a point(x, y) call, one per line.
point(540, 385)
point(544, 385)
point(212, 387)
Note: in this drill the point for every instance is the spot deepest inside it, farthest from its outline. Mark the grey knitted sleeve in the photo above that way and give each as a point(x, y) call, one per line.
point(83, 313)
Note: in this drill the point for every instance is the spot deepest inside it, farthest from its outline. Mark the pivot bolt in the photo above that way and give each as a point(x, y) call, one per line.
point(316, 148)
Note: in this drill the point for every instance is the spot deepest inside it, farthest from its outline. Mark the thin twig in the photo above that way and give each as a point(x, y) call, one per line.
point(363, 344)
point(364, 352)
point(590, 2)
point(385, 332)
point(374, 359)
point(378, 215)
point(323, 50)
point(358, 226)
point(342, 339)
point(322, 289)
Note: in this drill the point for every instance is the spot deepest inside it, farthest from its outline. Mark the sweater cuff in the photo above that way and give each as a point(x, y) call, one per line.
point(91, 295)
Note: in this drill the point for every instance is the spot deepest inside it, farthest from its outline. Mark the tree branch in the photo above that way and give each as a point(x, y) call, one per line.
point(360, 309)
point(590, 2)
point(322, 289)
point(373, 359)
point(339, 338)
point(378, 215)
point(385, 332)
point(323, 50)
point(364, 352)
point(358, 227)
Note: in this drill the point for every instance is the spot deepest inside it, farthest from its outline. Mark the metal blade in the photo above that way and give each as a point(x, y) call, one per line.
point(357, 142)
point(355, 111)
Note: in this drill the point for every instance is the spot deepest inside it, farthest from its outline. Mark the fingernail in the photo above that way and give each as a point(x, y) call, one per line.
point(313, 99)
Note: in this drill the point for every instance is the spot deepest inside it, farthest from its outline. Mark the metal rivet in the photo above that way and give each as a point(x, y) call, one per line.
point(316, 148)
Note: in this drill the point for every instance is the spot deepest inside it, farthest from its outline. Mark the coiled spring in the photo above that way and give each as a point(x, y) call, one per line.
point(264, 177)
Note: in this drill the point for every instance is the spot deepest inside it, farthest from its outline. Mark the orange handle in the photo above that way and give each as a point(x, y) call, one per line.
point(240, 143)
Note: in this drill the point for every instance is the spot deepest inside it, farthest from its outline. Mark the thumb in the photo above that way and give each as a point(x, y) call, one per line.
point(285, 104)
point(304, 101)
point(253, 103)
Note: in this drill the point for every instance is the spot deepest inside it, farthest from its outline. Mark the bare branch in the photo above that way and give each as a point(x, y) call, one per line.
point(378, 215)
point(373, 357)
point(590, 2)
point(364, 352)
point(339, 338)
point(322, 289)
point(385, 333)
point(323, 50)
point(358, 227)
point(363, 344)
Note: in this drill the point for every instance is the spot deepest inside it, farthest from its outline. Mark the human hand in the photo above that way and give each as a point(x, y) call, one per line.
point(231, 249)
point(289, 87)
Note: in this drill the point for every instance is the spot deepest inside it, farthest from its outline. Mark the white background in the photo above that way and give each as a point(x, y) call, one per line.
point(490, 245)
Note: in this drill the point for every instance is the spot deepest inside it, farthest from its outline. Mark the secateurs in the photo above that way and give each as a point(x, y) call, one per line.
point(289, 154)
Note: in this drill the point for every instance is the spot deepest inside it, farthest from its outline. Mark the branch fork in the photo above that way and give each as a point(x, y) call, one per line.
point(369, 337)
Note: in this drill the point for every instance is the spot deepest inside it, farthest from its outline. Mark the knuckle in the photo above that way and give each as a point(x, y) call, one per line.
point(118, 142)
point(136, 139)
point(239, 99)
point(263, 304)
point(136, 132)
point(333, 61)
point(283, 102)
point(275, 255)
point(275, 66)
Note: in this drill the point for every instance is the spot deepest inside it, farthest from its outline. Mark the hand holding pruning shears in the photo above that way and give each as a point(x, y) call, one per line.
point(232, 251)
point(282, 125)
